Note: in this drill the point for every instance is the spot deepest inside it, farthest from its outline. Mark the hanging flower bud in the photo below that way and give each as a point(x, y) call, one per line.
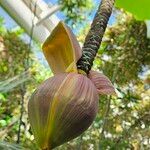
point(62, 108)
point(66, 104)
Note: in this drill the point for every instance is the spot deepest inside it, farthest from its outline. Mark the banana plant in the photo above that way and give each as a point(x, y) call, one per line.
point(65, 105)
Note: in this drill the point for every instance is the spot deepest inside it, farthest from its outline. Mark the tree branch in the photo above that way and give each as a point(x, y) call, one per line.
point(22, 91)
point(95, 35)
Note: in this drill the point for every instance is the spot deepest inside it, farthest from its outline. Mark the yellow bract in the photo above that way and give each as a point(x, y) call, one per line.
point(62, 50)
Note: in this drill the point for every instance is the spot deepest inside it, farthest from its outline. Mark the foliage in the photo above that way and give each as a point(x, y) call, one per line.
point(127, 48)
point(19, 74)
point(76, 10)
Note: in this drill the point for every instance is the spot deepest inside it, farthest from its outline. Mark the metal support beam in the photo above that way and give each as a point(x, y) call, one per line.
point(46, 14)
point(49, 23)
point(24, 16)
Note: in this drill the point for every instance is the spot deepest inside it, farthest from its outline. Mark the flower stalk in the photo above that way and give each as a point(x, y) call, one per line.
point(95, 35)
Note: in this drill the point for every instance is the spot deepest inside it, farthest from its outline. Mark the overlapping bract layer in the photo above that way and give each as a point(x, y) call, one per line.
point(64, 105)
point(62, 108)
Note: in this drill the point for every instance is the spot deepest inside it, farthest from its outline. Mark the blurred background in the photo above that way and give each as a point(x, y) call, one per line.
point(123, 121)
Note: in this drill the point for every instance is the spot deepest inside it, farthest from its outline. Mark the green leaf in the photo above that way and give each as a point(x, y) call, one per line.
point(2, 97)
point(10, 146)
point(9, 84)
point(139, 8)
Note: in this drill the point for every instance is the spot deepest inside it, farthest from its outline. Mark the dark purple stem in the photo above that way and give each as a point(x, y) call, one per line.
point(95, 35)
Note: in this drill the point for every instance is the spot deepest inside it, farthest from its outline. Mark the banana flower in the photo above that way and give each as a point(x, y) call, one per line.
point(65, 105)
